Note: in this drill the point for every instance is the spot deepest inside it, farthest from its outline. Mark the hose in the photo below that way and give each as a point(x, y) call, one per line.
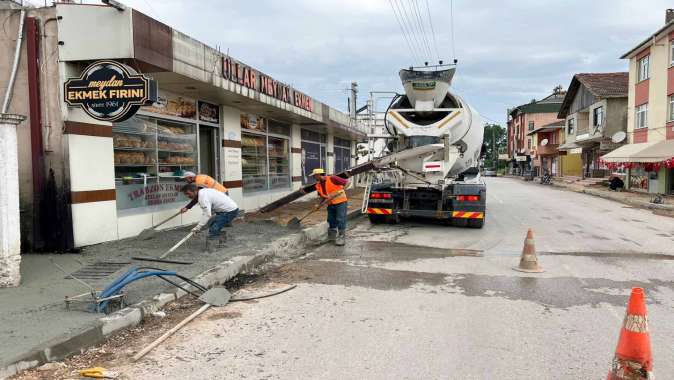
point(264, 295)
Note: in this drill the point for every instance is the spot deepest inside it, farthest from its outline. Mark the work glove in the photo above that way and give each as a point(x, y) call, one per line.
point(196, 230)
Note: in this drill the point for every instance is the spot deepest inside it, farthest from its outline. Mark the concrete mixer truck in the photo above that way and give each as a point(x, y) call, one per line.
point(436, 138)
point(429, 167)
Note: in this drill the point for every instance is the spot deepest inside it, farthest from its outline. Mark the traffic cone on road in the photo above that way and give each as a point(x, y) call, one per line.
point(529, 261)
point(633, 358)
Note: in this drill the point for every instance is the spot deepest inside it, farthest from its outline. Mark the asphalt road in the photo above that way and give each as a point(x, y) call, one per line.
point(427, 301)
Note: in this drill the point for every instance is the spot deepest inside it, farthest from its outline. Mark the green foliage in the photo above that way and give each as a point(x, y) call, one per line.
point(495, 142)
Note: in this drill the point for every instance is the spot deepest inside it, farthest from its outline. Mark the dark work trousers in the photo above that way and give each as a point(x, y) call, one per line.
point(337, 216)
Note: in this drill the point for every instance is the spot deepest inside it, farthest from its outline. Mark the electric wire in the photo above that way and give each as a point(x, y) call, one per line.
point(430, 22)
point(451, 25)
point(414, 25)
point(405, 37)
point(410, 27)
point(424, 35)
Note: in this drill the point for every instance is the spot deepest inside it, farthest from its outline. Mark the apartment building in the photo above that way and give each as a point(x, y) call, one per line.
point(649, 156)
point(594, 111)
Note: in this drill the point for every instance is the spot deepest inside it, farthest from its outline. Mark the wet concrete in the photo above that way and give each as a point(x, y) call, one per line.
point(610, 254)
point(38, 302)
point(339, 273)
point(368, 251)
point(557, 292)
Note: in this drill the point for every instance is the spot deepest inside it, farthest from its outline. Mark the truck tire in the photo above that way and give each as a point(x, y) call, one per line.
point(475, 223)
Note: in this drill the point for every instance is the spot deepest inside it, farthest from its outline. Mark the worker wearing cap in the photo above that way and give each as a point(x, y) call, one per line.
point(217, 208)
point(331, 190)
point(202, 181)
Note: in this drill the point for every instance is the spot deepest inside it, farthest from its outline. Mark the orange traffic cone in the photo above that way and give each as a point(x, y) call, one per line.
point(633, 358)
point(529, 261)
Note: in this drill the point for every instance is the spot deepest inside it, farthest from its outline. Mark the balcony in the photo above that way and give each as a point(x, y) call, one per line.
point(547, 150)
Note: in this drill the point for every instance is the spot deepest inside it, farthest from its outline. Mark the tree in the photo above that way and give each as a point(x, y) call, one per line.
point(495, 141)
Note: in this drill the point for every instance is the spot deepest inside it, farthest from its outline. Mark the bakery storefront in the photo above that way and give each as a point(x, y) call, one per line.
point(125, 114)
point(156, 146)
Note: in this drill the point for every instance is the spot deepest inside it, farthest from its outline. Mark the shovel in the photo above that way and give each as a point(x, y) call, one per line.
point(212, 297)
point(296, 224)
point(149, 233)
point(160, 259)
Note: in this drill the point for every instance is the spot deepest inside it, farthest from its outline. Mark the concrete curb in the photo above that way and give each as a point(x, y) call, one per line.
point(630, 202)
point(78, 341)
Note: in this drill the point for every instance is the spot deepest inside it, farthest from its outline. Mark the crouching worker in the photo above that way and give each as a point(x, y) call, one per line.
point(216, 207)
point(331, 190)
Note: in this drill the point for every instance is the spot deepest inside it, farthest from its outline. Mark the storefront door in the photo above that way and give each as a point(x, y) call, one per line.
point(208, 137)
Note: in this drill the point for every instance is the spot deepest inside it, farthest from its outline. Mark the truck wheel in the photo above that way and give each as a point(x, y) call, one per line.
point(377, 219)
point(475, 223)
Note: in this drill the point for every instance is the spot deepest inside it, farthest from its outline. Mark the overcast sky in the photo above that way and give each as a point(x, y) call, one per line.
point(509, 51)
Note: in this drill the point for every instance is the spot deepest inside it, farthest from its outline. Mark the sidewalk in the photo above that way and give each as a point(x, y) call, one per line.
point(631, 198)
point(33, 317)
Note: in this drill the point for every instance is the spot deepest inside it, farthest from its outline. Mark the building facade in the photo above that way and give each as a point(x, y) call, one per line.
point(649, 156)
point(523, 120)
point(594, 111)
point(85, 181)
point(546, 140)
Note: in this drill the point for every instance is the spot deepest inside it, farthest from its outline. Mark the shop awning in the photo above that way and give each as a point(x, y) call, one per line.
point(656, 151)
point(568, 146)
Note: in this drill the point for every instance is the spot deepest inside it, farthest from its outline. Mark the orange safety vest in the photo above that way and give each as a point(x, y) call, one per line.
point(202, 180)
point(331, 188)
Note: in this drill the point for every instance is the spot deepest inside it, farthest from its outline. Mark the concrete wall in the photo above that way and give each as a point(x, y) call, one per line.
point(616, 116)
point(52, 197)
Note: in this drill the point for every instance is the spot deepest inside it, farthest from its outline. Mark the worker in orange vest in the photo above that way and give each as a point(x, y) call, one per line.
point(331, 190)
point(201, 181)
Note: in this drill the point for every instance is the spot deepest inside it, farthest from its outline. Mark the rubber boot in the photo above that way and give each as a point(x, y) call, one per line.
point(332, 234)
point(222, 241)
point(341, 239)
point(211, 245)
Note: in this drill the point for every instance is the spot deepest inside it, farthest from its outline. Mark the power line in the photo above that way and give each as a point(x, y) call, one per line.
point(451, 19)
point(430, 22)
point(417, 41)
point(422, 29)
point(402, 29)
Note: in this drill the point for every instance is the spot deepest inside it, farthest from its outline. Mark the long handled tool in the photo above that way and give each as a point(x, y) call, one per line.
point(160, 259)
point(150, 232)
point(296, 224)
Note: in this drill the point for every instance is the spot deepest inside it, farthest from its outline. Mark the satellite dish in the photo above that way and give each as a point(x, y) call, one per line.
point(544, 142)
point(618, 137)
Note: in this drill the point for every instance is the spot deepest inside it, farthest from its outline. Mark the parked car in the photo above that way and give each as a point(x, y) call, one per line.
point(489, 173)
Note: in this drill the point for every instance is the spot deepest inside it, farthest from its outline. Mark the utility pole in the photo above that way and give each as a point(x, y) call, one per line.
point(354, 95)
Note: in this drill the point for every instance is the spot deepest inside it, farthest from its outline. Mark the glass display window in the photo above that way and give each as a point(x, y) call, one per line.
point(150, 156)
point(265, 155)
point(254, 162)
point(279, 162)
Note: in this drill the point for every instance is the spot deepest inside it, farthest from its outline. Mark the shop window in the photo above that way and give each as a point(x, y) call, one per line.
point(671, 109)
point(150, 155)
point(641, 116)
point(638, 179)
point(342, 150)
point(265, 153)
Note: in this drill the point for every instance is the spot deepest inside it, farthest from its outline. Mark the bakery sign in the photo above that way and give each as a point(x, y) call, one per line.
point(248, 77)
point(110, 91)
